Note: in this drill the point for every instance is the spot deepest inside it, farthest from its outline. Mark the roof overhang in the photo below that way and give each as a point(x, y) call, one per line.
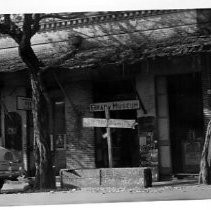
point(115, 39)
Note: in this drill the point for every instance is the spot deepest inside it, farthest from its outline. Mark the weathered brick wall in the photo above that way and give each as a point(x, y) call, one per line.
point(80, 151)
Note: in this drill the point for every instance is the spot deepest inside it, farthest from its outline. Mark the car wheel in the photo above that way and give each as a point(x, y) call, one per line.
point(1, 183)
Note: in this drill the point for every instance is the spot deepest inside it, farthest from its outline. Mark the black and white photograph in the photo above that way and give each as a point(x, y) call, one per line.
point(105, 106)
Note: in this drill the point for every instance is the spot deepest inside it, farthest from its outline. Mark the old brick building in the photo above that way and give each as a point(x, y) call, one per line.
point(159, 58)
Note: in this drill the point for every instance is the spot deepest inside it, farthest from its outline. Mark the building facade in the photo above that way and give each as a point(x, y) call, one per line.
point(158, 58)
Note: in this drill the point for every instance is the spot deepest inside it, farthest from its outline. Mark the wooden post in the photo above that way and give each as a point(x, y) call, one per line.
point(109, 139)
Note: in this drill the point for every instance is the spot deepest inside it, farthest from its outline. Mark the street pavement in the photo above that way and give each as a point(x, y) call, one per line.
point(162, 191)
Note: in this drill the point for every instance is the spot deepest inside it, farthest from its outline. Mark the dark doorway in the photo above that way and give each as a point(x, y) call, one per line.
point(124, 141)
point(186, 122)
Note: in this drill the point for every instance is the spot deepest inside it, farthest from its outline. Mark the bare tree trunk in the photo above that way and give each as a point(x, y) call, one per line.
point(205, 164)
point(45, 177)
point(44, 170)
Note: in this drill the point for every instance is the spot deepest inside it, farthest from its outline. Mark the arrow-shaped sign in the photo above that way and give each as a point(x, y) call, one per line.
point(111, 123)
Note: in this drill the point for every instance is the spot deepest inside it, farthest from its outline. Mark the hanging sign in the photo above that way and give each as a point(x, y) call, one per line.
point(111, 123)
point(24, 103)
point(115, 105)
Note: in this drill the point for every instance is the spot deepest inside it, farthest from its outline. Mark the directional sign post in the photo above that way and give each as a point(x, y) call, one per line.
point(111, 123)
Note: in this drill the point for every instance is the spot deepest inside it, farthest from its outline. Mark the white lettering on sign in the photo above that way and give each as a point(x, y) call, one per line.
point(115, 105)
point(111, 123)
point(94, 122)
point(24, 103)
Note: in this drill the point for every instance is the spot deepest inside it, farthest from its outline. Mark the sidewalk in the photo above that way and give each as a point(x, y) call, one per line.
point(22, 185)
point(162, 191)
